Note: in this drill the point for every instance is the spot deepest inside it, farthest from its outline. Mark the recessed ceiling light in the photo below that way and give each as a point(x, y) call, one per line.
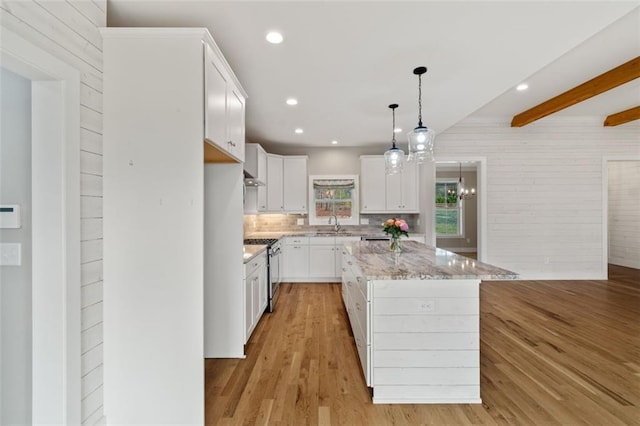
point(274, 37)
point(292, 101)
point(397, 130)
point(299, 130)
point(522, 86)
point(334, 142)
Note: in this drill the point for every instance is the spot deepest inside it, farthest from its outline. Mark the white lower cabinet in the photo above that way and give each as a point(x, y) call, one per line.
point(255, 287)
point(295, 262)
point(356, 297)
point(313, 259)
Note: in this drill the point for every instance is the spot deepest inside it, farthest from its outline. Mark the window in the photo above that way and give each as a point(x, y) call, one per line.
point(448, 209)
point(333, 195)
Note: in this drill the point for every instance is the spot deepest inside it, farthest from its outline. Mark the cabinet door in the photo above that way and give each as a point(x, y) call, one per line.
point(248, 309)
point(262, 175)
point(263, 289)
point(394, 192)
point(372, 184)
point(216, 101)
point(322, 261)
point(255, 286)
point(274, 183)
point(410, 187)
point(235, 123)
point(295, 184)
point(295, 261)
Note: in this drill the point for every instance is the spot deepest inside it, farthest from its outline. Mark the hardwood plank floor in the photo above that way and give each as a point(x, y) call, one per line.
point(552, 353)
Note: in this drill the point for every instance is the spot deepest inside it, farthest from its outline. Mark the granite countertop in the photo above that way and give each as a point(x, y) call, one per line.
point(281, 234)
point(420, 261)
point(251, 251)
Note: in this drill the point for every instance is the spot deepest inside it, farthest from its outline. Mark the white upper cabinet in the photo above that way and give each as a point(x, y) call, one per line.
point(372, 184)
point(286, 184)
point(275, 201)
point(402, 190)
point(382, 193)
point(225, 107)
point(295, 184)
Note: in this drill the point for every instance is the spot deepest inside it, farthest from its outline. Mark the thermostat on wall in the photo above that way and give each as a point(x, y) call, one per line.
point(9, 216)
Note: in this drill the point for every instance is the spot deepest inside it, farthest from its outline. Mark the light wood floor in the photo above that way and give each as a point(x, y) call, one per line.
point(552, 352)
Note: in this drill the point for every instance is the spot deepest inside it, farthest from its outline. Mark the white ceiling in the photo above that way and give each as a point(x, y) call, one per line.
point(346, 61)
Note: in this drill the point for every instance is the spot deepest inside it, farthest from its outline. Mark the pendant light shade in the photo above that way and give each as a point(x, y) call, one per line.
point(421, 138)
point(394, 157)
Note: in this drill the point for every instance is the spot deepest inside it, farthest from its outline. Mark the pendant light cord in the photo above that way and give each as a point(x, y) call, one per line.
point(393, 128)
point(419, 100)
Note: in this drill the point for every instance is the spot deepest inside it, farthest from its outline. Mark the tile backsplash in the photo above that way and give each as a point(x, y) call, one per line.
point(289, 223)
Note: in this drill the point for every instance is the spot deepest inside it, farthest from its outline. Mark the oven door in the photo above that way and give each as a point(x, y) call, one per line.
point(274, 275)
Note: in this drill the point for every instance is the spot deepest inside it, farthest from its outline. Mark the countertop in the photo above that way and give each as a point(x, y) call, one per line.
point(251, 251)
point(420, 261)
point(281, 234)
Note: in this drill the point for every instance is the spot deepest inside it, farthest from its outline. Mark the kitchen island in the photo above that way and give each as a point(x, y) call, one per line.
point(415, 320)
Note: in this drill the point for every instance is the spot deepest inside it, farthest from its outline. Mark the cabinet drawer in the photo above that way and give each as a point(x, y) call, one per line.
point(322, 241)
point(254, 264)
point(296, 241)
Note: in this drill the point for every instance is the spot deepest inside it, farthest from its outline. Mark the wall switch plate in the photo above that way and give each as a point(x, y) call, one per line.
point(300, 221)
point(10, 254)
point(364, 221)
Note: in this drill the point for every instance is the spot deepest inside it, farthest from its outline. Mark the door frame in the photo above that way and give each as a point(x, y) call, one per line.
point(605, 207)
point(481, 175)
point(56, 317)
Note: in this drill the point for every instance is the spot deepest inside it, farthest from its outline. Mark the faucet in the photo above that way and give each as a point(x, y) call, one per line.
point(337, 226)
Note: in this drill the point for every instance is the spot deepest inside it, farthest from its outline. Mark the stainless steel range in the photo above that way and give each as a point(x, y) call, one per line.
point(273, 267)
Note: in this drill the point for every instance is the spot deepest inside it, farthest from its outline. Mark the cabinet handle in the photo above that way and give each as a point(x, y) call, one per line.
point(231, 143)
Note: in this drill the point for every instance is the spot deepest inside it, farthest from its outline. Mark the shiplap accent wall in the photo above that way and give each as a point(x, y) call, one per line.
point(545, 191)
point(69, 31)
point(624, 213)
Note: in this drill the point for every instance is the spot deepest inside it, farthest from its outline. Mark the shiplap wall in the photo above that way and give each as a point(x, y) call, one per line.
point(544, 191)
point(624, 213)
point(69, 31)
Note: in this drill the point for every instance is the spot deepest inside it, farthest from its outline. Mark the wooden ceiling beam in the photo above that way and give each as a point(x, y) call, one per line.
point(613, 78)
point(622, 117)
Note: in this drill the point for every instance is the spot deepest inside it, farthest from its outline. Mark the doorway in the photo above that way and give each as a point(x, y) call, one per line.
point(621, 213)
point(50, 289)
point(460, 223)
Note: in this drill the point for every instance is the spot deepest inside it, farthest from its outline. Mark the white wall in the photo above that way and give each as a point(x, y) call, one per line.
point(545, 195)
point(624, 213)
point(69, 31)
point(15, 281)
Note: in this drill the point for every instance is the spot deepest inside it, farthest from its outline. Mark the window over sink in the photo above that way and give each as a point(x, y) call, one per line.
point(331, 197)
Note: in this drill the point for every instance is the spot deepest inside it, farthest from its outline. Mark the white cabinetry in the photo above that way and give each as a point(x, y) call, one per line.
point(295, 259)
point(295, 184)
point(255, 284)
point(357, 301)
point(314, 259)
point(286, 184)
point(154, 110)
point(322, 257)
point(225, 107)
point(372, 184)
point(382, 193)
point(275, 202)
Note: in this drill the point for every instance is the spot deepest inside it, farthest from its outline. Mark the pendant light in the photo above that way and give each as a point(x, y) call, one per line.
point(421, 138)
point(465, 194)
point(394, 157)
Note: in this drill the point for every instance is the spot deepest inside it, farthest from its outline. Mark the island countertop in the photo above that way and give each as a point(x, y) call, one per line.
point(420, 261)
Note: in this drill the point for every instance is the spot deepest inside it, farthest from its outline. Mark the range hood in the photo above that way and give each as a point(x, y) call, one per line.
point(251, 181)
